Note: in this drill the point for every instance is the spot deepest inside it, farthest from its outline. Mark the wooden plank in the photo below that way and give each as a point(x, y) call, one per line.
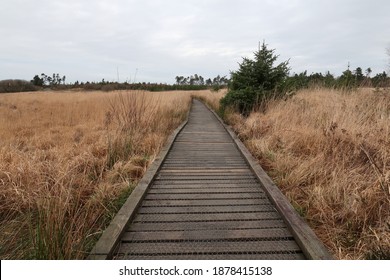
point(206, 186)
point(204, 141)
point(264, 234)
point(206, 181)
point(204, 166)
point(188, 177)
point(207, 196)
point(227, 152)
point(223, 163)
point(205, 190)
point(192, 133)
point(230, 153)
point(223, 158)
point(240, 183)
point(209, 217)
point(207, 225)
point(205, 209)
point(209, 247)
point(211, 141)
point(212, 256)
point(204, 147)
point(202, 202)
point(207, 171)
point(219, 162)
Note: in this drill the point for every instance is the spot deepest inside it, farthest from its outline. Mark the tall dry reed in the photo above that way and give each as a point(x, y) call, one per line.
point(211, 98)
point(68, 160)
point(329, 152)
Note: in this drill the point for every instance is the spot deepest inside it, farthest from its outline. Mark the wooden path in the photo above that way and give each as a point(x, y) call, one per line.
point(206, 198)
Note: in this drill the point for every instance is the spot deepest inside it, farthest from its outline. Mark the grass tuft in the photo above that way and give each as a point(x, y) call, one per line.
point(329, 152)
point(68, 161)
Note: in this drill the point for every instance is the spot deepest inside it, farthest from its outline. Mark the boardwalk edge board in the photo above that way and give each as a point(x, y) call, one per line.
point(110, 238)
point(311, 245)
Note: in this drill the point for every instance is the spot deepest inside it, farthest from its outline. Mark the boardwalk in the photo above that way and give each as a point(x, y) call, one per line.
point(205, 202)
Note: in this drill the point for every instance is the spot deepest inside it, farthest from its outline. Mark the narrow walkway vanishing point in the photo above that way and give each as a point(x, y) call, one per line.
point(206, 201)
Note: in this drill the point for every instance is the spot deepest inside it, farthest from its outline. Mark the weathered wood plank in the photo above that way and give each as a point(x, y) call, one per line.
point(207, 196)
point(205, 190)
point(205, 209)
point(209, 247)
point(206, 186)
point(207, 225)
point(206, 181)
point(209, 217)
point(200, 172)
point(202, 202)
point(265, 234)
point(213, 256)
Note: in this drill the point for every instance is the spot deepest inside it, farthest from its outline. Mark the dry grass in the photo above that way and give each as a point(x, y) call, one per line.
point(329, 152)
point(68, 160)
point(212, 98)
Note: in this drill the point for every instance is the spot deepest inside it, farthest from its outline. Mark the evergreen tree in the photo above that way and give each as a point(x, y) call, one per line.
point(359, 77)
point(36, 81)
point(256, 81)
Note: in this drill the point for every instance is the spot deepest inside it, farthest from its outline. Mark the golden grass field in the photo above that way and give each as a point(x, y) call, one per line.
point(68, 160)
point(329, 152)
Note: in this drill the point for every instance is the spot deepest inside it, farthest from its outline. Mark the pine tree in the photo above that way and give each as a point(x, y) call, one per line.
point(256, 81)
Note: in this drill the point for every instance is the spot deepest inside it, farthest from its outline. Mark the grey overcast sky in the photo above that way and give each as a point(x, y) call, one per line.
point(154, 41)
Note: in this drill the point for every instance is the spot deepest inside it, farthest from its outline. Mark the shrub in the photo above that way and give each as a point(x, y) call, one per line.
point(256, 81)
point(242, 99)
point(16, 86)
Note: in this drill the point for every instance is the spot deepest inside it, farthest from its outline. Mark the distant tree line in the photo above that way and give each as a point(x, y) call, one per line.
point(109, 86)
point(16, 86)
point(348, 80)
point(51, 81)
point(251, 75)
point(58, 82)
point(199, 80)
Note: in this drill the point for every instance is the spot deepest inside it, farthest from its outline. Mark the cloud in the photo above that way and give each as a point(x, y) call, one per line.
point(89, 40)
